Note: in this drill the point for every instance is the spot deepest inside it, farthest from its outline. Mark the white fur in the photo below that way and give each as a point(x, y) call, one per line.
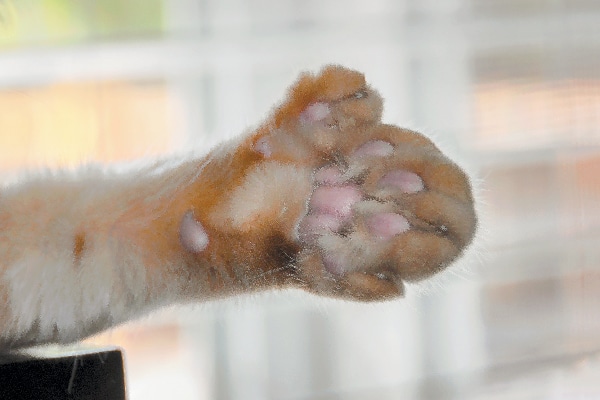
point(53, 295)
point(271, 188)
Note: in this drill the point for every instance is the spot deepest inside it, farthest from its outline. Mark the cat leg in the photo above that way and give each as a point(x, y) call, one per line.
point(321, 196)
point(324, 197)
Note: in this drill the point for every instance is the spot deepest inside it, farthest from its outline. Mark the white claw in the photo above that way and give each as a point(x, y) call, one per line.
point(360, 94)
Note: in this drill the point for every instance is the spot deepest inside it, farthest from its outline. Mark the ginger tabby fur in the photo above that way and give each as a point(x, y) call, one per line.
point(322, 196)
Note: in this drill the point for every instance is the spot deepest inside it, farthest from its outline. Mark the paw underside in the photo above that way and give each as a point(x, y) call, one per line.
point(380, 216)
point(383, 204)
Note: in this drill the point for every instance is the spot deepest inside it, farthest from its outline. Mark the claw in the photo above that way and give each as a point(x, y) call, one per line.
point(381, 276)
point(442, 230)
point(360, 94)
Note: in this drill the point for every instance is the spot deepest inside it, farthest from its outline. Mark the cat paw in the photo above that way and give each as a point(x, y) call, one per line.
point(384, 206)
point(390, 210)
point(325, 197)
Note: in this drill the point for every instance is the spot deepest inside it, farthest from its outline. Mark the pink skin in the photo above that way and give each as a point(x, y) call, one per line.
point(329, 176)
point(336, 200)
point(387, 225)
point(192, 235)
point(374, 148)
point(314, 113)
point(332, 201)
point(263, 147)
point(406, 181)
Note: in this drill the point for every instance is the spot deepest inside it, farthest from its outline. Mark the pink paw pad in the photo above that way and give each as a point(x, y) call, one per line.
point(263, 146)
point(315, 112)
point(406, 181)
point(375, 148)
point(192, 235)
point(387, 225)
point(330, 208)
point(329, 176)
point(335, 200)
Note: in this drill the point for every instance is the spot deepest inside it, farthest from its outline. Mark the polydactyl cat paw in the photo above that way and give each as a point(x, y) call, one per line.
point(357, 206)
point(385, 206)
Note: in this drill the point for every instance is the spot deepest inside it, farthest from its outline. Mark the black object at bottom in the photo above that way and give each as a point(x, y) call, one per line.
point(90, 374)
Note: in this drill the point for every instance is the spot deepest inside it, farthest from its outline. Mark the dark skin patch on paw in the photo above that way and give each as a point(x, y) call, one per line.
point(345, 230)
point(281, 252)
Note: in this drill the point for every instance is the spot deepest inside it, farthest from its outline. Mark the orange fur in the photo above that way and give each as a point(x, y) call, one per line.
point(249, 202)
point(221, 176)
point(254, 249)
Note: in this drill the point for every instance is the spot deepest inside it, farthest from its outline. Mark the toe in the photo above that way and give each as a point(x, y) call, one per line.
point(374, 148)
point(387, 225)
point(405, 181)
